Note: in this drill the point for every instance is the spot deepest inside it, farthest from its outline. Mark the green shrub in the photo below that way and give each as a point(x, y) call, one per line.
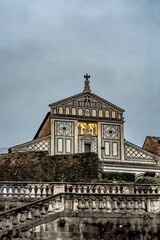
point(118, 177)
point(147, 180)
point(149, 174)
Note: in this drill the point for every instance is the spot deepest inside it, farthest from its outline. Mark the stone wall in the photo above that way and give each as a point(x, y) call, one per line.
point(152, 144)
point(105, 228)
point(38, 166)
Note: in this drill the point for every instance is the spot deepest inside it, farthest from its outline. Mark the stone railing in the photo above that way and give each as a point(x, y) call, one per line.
point(74, 204)
point(32, 190)
point(100, 188)
point(25, 190)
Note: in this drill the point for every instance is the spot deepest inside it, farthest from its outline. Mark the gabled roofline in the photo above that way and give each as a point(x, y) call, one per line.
point(82, 94)
point(42, 124)
point(139, 148)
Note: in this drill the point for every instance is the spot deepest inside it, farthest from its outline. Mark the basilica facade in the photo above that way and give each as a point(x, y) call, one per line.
point(86, 122)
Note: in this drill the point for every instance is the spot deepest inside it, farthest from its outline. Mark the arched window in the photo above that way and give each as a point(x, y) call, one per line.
point(100, 113)
point(54, 111)
point(73, 111)
point(119, 116)
point(113, 114)
point(94, 113)
point(60, 110)
point(67, 110)
point(80, 112)
point(107, 114)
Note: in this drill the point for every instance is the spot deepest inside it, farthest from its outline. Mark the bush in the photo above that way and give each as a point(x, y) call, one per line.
point(146, 180)
point(119, 177)
point(149, 174)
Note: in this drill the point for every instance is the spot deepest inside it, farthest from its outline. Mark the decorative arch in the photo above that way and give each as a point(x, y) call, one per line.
point(113, 114)
point(94, 113)
point(119, 115)
point(80, 111)
point(67, 110)
point(107, 114)
point(60, 110)
point(73, 111)
point(100, 113)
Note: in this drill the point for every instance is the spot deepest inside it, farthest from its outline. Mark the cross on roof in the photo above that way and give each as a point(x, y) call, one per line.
point(86, 83)
point(86, 76)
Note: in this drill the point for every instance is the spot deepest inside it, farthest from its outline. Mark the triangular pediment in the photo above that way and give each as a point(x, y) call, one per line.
point(87, 100)
point(134, 153)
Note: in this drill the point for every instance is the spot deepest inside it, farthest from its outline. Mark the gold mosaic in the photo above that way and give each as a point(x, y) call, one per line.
point(87, 128)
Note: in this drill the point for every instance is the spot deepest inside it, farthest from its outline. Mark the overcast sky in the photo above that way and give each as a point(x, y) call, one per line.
point(46, 46)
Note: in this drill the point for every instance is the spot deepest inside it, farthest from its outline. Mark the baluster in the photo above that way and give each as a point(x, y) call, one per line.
point(33, 191)
point(113, 189)
point(8, 223)
point(115, 207)
point(73, 188)
point(10, 191)
point(136, 190)
point(143, 205)
point(4, 191)
point(36, 213)
point(57, 207)
point(38, 191)
point(108, 205)
point(15, 220)
point(16, 193)
point(49, 190)
point(67, 188)
point(158, 189)
point(104, 189)
point(22, 217)
point(122, 205)
point(21, 191)
point(79, 205)
point(89, 189)
point(50, 208)
point(43, 211)
point(107, 189)
point(136, 207)
point(79, 189)
point(93, 204)
point(86, 204)
point(96, 188)
point(101, 204)
point(85, 189)
point(119, 189)
point(92, 189)
point(128, 205)
point(153, 189)
point(26, 191)
point(29, 215)
point(44, 193)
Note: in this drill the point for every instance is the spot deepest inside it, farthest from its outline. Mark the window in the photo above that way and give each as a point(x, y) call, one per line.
point(87, 147)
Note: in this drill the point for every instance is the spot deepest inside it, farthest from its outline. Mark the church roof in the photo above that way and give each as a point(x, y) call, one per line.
point(86, 92)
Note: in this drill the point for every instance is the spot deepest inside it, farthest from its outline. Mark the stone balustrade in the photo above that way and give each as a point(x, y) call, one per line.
point(61, 204)
point(111, 188)
point(25, 190)
point(30, 213)
point(40, 190)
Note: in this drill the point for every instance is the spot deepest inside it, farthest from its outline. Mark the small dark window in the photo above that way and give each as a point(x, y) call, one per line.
point(87, 147)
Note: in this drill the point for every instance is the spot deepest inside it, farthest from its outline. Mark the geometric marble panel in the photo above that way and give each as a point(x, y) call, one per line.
point(63, 128)
point(110, 132)
point(35, 145)
point(136, 152)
